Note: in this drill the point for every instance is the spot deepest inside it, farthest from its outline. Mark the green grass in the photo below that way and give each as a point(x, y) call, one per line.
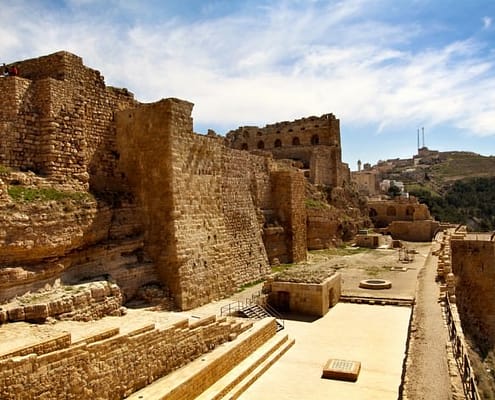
point(318, 204)
point(340, 251)
point(250, 284)
point(281, 267)
point(24, 194)
point(4, 169)
point(373, 271)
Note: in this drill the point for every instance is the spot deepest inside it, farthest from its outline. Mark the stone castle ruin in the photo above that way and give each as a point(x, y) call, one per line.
point(314, 142)
point(157, 203)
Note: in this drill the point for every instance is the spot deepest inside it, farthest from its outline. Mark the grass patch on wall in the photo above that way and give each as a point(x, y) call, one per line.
point(4, 170)
point(281, 267)
point(28, 195)
point(317, 204)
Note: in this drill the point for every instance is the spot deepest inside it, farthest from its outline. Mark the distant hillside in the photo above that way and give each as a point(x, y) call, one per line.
point(458, 187)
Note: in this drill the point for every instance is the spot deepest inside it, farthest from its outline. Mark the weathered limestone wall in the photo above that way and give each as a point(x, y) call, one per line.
point(324, 130)
point(112, 366)
point(473, 264)
point(203, 228)
point(306, 298)
point(60, 122)
point(289, 199)
point(323, 229)
point(384, 212)
point(312, 141)
point(413, 231)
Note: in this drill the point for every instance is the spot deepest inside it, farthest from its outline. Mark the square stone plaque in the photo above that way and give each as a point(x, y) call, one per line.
point(343, 370)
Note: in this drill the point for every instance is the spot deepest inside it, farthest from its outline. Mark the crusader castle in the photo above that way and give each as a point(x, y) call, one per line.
point(132, 204)
point(202, 215)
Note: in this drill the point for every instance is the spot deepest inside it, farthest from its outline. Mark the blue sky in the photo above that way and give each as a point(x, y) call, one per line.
point(384, 67)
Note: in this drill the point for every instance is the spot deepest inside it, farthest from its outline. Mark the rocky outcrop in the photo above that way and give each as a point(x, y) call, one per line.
point(83, 302)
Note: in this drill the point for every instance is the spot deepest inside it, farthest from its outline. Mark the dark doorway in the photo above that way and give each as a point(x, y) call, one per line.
point(283, 301)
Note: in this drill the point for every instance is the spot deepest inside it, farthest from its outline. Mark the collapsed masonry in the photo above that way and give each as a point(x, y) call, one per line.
point(167, 205)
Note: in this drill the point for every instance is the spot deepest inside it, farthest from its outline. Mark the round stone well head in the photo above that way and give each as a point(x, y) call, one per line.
point(375, 284)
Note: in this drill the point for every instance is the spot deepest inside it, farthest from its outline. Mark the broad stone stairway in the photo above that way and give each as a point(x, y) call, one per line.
point(247, 371)
point(255, 311)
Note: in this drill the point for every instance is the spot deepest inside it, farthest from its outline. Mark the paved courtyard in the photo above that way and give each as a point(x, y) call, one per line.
point(374, 335)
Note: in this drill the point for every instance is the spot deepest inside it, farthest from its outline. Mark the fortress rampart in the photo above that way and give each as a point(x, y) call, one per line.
point(56, 119)
point(473, 264)
point(313, 141)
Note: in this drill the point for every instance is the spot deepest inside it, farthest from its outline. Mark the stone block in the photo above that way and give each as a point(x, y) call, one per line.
point(343, 370)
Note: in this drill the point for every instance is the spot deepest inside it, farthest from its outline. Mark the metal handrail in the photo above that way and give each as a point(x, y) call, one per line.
point(461, 356)
point(237, 306)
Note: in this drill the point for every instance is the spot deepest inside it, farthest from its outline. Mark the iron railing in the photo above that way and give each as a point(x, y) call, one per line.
point(461, 356)
point(237, 306)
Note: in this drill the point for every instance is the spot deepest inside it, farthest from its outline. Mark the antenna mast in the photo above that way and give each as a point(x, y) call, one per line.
point(423, 129)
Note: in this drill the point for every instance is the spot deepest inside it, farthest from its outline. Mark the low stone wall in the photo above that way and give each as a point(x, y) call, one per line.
point(413, 231)
point(190, 383)
point(114, 367)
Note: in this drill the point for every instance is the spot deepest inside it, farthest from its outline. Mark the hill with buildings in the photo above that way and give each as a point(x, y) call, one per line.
point(457, 186)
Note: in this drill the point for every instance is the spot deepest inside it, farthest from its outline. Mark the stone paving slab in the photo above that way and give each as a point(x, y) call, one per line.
point(376, 336)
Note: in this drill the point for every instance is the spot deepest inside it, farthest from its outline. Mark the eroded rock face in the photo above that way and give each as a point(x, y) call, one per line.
point(83, 302)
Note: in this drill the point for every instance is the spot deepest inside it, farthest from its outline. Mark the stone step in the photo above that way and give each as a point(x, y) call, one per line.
point(258, 312)
point(404, 302)
point(235, 382)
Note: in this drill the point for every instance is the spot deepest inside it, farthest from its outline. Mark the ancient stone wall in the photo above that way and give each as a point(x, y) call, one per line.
point(413, 231)
point(200, 205)
point(113, 365)
point(323, 229)
point(305, 298)
point(289, 196)
point(311, 131)
point(473, 264)
point(383, 212)
point(313, 141)
point(59, 121)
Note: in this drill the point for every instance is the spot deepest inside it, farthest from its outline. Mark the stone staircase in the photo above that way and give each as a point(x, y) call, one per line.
point(255, 311)
point(244, 374)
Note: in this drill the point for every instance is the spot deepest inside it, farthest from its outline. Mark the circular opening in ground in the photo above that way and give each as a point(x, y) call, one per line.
point(375, 284)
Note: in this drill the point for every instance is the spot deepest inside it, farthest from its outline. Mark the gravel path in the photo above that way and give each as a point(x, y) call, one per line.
point(427, 374)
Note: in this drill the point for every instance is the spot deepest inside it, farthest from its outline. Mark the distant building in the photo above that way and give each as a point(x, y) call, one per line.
point(367, 181)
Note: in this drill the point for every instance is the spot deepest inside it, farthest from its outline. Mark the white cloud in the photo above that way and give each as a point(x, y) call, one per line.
point(276, 63)
point(487, 22)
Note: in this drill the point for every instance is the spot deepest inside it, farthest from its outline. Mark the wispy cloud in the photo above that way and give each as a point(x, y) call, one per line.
point(487, 22)
point(277, 61)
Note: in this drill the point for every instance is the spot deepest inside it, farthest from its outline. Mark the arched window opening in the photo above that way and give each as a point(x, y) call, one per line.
point(244, 146)
point(373, 213)
point(261, 144)
point(315, 139)
point(295, 141)
point(391, 212)
point(278, 143)
point(410, 211)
